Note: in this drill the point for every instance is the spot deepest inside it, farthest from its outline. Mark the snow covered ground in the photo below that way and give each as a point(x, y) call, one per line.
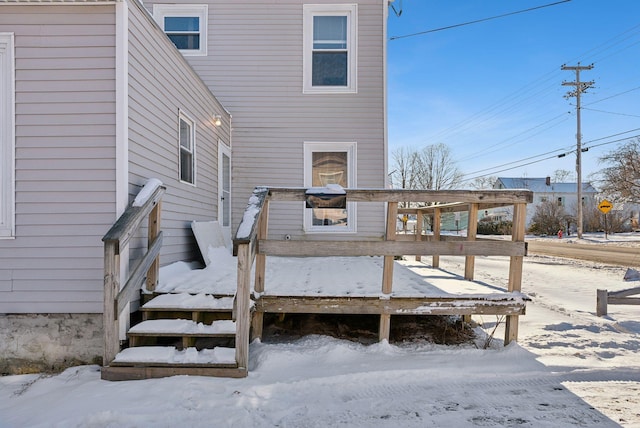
point(569, 368)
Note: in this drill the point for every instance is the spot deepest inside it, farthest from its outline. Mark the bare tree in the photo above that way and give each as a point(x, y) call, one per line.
point(621, 178)
point(432, 168)
point(548, 218)
point(562, 176)
point(402, 176)
point(482, 183)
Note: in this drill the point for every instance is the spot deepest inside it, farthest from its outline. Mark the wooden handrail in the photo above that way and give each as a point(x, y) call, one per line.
point(501, 197)
point(129, 222)
point(115, 240)
point(248, 227)
point(138, 275)
point(318, 248)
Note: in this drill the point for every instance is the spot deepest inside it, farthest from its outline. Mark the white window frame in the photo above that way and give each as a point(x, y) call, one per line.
point(351, 149)
point(351, 12)
point(224, 150)
point(7, 136)
point(192, 138)
point(160, 11)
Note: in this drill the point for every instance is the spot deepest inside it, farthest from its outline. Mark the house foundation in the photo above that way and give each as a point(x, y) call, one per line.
point(34, 343)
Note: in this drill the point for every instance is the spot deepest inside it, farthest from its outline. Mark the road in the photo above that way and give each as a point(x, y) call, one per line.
point(609, 254)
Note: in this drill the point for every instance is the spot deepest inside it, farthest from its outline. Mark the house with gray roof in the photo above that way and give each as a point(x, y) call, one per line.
point(545, 190)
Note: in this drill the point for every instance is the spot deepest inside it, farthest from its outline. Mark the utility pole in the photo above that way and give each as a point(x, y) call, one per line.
point(580, 87)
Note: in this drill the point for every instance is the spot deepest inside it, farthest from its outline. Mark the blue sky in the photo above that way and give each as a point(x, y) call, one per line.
point(492, 91)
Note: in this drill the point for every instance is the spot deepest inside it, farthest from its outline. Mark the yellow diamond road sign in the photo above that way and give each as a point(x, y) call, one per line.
point(605, 206)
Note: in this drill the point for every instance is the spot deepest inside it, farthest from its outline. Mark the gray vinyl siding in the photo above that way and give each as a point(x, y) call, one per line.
point(65, 157)
point(162, 83)
point(254, 67)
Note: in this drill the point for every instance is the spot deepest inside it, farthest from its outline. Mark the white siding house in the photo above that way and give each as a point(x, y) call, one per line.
point(94, 101)
point(544, 190)
point(98, 96)
point(305, 82)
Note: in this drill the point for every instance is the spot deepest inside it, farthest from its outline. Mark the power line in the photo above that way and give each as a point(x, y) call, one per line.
point(613, 96)
point(609, 112)
point(500, 145)
point(566, 150)
point(477, 21)
point(613, 135)
point(517, 99)
point(510, 163)
point(513, 167)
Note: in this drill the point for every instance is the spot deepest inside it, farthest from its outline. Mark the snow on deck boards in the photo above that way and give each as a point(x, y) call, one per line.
point(186, 301)
point(184, 327)
point(170, 355)
point(331, 276)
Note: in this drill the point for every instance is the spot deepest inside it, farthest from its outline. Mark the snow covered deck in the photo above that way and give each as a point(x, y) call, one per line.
point(342, 285)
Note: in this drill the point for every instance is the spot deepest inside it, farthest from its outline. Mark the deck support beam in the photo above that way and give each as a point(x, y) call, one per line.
point(515, 269)
point(387, 270)
point(257, 320)
point(418, 236)
point(245, 260)
point(472, 229)
point(437, 219)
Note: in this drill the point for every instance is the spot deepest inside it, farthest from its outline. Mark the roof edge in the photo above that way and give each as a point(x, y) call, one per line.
point(59, 2)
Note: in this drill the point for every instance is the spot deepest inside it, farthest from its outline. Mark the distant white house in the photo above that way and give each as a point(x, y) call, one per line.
point(544, 190)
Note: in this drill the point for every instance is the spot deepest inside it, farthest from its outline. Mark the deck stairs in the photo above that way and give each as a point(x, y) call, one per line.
point(179, 334)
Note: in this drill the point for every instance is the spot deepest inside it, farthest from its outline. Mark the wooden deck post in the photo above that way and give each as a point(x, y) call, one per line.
point(601, 302)
point(110, 326)
point(261, 259)
point(418, 230)
point(437, 218)
point(153, 231)
point(257, 320)
point(387, 270)
point(387, 273)
point(472, 229)
point(515, 268)
point(242, 305)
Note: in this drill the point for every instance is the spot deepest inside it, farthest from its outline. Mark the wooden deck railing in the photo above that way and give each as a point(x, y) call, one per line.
point(251, 243)
point(116, 298)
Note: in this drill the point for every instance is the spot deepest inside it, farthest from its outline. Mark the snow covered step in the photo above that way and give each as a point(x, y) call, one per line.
point(199, 307)
point(189, 302)
point(168, 355)
point(160, 361)
point(186, 329)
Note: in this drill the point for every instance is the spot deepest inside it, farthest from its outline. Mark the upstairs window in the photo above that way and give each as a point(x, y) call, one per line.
point(187, 139)
point(330, 48)
point(185, 25)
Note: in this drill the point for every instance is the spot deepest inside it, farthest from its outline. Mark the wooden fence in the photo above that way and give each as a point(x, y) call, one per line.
point(622, 297)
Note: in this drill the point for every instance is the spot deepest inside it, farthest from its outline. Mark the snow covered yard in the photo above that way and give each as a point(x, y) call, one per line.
point(570, 368)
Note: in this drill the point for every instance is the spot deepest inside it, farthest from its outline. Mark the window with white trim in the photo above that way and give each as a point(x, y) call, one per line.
point(7, 136)
point(187, 139)
point(330, 163)
point(330, 48)
point(185, 25)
